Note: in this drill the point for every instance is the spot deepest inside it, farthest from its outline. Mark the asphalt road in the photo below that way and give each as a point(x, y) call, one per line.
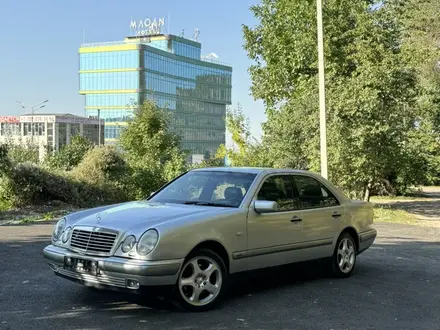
point(396, 285)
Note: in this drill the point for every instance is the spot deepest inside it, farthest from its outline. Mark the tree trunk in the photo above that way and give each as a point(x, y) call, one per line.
point(367, 192)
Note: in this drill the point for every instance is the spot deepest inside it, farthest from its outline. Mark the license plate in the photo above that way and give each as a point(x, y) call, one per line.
point(81, 266)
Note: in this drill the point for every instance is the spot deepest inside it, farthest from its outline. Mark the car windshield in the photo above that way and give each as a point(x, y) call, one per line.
point(210, 188)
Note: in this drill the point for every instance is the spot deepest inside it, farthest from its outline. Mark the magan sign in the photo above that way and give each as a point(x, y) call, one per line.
point(147, 26)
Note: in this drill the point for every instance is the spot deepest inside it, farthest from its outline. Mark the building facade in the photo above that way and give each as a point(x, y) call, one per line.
point(48, 131)
point(117, 76)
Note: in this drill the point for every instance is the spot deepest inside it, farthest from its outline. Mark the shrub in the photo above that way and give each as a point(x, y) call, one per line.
point(95, 181)
point(104, 168)
point(30, 184)
point(70, 155)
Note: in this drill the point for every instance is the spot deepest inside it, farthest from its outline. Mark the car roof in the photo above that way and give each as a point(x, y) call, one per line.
point(252, 170)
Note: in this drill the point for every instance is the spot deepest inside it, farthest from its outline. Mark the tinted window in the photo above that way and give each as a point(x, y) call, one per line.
point(278, 188)
point(226, 188)
point(313, 194)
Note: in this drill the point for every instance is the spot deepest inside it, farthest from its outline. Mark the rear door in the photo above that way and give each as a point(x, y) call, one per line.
point(322, 215)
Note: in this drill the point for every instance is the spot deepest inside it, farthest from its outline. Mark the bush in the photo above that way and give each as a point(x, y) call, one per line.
point(70, 155)
point(29, 184)
point(103, 167)
point(98, 179)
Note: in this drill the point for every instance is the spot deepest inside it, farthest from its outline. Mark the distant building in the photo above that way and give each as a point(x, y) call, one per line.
point(48, 131)
point(115, 76)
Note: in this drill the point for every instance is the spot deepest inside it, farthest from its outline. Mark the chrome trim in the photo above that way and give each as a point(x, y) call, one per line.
point(101, 279)
point(93, 240)
point(282, 248)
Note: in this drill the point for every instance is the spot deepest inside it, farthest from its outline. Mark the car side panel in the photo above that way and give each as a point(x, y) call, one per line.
point(319, 224)
point(360, 217)
point(178, 239)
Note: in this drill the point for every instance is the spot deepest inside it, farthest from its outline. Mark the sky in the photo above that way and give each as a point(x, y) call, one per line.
point(40, 41)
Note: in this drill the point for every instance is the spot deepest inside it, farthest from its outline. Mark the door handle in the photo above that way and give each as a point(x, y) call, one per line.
point(336, 215)
point(296, 219)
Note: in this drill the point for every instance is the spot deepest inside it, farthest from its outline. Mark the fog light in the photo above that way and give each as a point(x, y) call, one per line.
point(133, 284)
point(69, 261)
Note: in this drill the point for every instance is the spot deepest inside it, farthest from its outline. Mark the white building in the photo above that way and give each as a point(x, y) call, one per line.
point(48, 131)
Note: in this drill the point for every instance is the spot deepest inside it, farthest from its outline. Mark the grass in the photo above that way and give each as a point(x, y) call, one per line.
point(387, 214)
point(42, 217)
point(399, 198)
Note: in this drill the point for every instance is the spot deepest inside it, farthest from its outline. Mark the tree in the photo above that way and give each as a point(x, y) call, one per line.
point(70, 155)
point(246, 151)
point(151, 149)
point(420, 26)
point(20, 151)
point(368, 86)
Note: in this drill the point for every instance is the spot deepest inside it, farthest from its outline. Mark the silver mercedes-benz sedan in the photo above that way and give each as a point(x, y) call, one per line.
point(208, 224)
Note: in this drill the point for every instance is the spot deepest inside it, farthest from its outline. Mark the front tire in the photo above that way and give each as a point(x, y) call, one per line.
point(344, 257)
point(202, 280)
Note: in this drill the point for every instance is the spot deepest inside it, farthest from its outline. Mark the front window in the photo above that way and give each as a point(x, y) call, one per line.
point(279, 189)
point(212, 188)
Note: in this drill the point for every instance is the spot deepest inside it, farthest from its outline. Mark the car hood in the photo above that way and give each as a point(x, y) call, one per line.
point(131, 215)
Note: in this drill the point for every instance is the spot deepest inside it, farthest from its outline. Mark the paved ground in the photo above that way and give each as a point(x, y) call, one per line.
point(396, 286)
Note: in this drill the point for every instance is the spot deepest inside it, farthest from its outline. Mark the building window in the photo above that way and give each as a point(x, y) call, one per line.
point(62, 134)
point(10, 129)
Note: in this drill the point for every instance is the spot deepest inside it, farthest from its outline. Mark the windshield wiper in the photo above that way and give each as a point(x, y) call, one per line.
point(208, 204)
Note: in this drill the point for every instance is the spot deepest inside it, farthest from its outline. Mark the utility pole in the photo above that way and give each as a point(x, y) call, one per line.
point(32, 109)
point(322, 113)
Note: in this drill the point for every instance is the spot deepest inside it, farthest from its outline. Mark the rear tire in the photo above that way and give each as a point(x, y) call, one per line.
point(344, 257)
point(202, 282)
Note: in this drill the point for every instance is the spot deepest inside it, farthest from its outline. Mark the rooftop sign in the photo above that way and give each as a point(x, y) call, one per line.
point(37, 119)
point(9, 119)
point(147, 26)
point(59, 119)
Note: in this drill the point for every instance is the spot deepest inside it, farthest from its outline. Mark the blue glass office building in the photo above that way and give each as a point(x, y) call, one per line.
point(116, 76)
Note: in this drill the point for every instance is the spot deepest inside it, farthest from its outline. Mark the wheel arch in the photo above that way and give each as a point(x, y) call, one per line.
point(353, 233)
point(216, 247)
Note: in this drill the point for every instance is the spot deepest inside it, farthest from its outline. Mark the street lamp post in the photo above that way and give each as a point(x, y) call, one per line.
point(32, 109)
point(99, 127)
point(322, 114)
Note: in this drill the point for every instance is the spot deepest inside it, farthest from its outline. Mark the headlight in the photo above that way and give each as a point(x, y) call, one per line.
point(66, 234)
point(147, 242)
point(58, 230)
point(128, 243)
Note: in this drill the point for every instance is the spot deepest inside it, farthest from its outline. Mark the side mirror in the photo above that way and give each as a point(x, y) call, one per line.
point(265, 206)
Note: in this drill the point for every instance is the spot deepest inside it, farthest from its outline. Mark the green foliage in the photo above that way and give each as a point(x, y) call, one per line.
point(70, 154)
point(151, 150)
point(96, 180)
point(247, 151)
point(104, 168)
point(373, 91)
point(420, 26)
point(30, 184)
point(20, 151)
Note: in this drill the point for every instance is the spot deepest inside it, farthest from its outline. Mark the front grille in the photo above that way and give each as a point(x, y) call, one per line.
point(92, 241)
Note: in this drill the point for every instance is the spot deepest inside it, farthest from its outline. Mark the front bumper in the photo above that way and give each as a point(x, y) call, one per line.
point(114, 271)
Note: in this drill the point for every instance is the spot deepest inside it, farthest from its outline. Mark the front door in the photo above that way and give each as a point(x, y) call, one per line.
point(273, 237)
